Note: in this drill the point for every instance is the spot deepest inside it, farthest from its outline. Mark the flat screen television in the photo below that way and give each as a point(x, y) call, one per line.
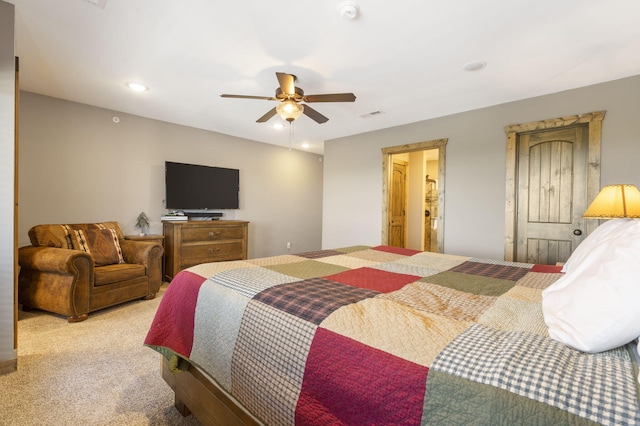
point(195, 187)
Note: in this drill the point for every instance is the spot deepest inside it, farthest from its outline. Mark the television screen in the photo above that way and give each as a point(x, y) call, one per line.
point(194, 187)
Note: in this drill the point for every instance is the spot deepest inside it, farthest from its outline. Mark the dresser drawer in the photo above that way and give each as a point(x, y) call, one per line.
point(195, 253)
point(212, 233)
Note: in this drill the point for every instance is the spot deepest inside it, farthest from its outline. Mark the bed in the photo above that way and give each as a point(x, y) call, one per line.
point(381, 335)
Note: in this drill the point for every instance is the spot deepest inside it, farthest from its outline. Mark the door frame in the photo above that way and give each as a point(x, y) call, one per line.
point(387, 168)
point(594, 124)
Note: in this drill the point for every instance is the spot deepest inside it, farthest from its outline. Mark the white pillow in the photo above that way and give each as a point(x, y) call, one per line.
point(596, 305)
point(609, 229)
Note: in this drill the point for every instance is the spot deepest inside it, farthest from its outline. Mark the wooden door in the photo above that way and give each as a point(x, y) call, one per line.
point(552, 193)
point(398, 204)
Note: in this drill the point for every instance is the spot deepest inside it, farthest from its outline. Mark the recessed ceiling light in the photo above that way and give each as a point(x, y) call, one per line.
point(137, 87)
point(474, 66)
point(278, 126)
point(305, 145)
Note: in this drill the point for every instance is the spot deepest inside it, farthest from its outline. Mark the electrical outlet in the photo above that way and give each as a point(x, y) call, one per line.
point(288, 245)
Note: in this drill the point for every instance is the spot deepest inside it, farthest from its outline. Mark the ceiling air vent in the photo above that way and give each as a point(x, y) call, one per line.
point(370, 114)
point(99, 3)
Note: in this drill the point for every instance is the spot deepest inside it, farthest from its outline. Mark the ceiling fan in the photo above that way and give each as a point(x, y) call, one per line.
point(290, 98)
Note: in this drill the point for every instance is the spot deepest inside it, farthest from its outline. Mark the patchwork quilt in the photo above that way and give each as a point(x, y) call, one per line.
point(387, 336)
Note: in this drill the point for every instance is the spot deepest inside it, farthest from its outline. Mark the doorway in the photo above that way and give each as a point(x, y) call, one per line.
point(413, 195)
point(553, 172)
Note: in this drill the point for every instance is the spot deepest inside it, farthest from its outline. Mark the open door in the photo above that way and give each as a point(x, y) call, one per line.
point(398, 204)
point(416, 228)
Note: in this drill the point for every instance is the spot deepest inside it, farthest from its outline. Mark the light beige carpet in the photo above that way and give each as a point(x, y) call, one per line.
point(96, 372)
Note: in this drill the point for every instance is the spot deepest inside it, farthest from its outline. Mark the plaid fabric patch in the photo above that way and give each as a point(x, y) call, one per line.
point(502, 272)
point(546, 371)
point(250, 281)
point(502, 262)
point(319, 254)
point(268, 362)
point(538, 280)
point(313, 299)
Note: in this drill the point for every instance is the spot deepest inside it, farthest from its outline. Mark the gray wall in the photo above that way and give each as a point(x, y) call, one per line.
point(7, 173)
point(77, 165)
point(475, 165)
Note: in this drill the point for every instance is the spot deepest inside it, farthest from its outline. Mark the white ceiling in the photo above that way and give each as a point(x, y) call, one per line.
point(402, 58)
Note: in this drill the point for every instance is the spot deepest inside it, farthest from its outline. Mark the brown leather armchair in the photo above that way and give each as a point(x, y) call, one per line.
point(75, 269)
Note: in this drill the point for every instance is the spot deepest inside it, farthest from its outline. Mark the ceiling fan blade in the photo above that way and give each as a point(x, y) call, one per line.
point(267, 116)
point(287, 83)
point(266, 98)
point(331, 97)
point(314, 115)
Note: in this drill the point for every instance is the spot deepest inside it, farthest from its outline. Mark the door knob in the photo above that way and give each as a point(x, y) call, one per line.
point(577, 232)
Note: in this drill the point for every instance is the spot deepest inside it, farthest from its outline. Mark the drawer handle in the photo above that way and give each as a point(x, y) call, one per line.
point(214, 234)
point(212, 250)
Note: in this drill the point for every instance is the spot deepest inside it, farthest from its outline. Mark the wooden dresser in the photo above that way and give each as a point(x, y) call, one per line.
point(190, 243)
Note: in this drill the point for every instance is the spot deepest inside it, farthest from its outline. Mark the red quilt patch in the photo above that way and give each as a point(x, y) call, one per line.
point(549, 269)
point(373, 279)
point(178, 306)
point(347, 382)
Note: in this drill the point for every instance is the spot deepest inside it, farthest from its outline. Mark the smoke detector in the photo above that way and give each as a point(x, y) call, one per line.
point(348, 10)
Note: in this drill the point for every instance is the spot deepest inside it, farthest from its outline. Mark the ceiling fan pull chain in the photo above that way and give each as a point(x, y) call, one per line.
point(290, 134)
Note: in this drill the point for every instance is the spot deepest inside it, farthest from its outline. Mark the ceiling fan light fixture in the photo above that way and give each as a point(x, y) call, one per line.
point(289, 110)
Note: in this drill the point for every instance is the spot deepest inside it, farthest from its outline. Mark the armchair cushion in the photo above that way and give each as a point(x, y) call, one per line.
point(102, 244)
point(118, 272)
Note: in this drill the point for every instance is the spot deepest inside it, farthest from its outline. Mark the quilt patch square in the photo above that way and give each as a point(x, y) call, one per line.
point(250, 281)
point(385, 389)
point(396, 250)
point(319, 254)
point(313, 299)
point(274, 260)
point(474, 284)
point(185, 289)
point(307, 269)
point(547, 371)
point(373, 279)
point(491, 270)
point(442, 300)
point(268, 362)
point(377, 255)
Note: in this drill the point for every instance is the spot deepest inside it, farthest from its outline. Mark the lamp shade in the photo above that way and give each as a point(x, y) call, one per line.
point(615, 201)
point(289, 110)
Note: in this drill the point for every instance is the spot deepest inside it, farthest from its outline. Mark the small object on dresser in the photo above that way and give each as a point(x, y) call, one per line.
point(142, 223)
point(174, 217)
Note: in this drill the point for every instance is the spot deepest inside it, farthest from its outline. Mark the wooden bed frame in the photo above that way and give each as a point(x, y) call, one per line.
point(196, 394)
